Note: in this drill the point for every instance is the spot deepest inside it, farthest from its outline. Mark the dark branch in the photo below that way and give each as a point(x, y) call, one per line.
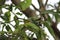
point(46, 2)
point(56, 31)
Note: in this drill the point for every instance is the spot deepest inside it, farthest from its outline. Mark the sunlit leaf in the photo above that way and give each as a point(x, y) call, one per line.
point(49, 12)
point(32, 27)
point(49, 28)
point(25, 4)
point(20, 32)
point(23, 35)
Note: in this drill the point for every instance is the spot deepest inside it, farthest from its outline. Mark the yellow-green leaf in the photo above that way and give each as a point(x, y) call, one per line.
point(6, 17)
point(25, 4)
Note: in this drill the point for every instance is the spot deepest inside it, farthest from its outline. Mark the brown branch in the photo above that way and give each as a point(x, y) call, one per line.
point(42, 7)
point(28, 12)
point(56, 31)
point(40, 2)
point(35, 7)
point(16, 2)
point(46, 2)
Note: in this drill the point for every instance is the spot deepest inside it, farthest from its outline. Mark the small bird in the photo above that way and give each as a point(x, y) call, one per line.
point(28, 12)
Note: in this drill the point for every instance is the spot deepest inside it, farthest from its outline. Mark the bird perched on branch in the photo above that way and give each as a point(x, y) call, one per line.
point(28, 12)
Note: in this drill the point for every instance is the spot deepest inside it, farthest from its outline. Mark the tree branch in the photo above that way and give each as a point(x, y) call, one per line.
point(42, 7)
point(28, 12)
point(35, 7)
point(46, 2)
point(56, 31)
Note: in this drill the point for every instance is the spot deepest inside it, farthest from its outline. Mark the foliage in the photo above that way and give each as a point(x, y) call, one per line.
point(30, 24)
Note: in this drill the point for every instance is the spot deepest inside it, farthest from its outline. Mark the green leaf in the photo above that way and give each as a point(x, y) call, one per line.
point(23, 35)
point(18, 13)
point(49, 12)
point(20, 32)
point(49, 28)
point(33, 26)
point(37, 30)
point(8, 28)
point(16, 20)
point(16, 32)
point(3, 26)
point(2, 32)
point(6, 17)
point(49, 19)
point(57, 17)
point(25, 4)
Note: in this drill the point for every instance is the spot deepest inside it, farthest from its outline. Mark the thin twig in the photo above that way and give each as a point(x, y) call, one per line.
point(2, 22)
point(13, 20)
point(46, 2)
point(17, 16)
point(40, 2)
point(35, 7)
